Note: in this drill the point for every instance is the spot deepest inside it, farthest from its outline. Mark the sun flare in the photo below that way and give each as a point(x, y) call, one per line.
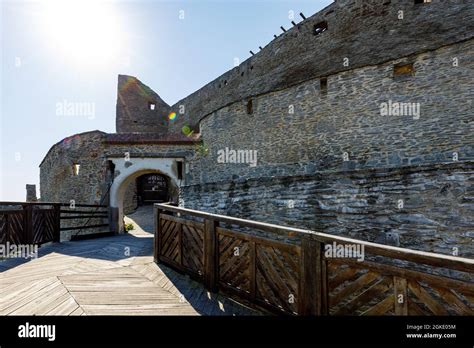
point(86, 32)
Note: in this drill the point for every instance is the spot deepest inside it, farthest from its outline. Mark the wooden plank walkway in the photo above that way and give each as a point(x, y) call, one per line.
point(106, 276)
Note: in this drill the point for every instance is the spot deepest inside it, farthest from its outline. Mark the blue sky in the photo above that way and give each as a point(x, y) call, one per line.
point(72, 52)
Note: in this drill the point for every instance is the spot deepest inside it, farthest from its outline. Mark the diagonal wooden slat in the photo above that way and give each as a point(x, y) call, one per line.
point(16, 230)
point(242, 280)
point(414, 309)
point(230, 244)
point(377, 289)
point(229, 261)
point(166, 232)
point(43, 225)
point(193, 249)
point(3, 228)
point(234, 270)
point(288, 276)
point(382, 307)
point(235, 265)
point(267, 260)
point(276, 294)
point(426, 298)
point(172, 250)
point(356, 285)
point(168, 247)
point(451, 299)
point(341, 276)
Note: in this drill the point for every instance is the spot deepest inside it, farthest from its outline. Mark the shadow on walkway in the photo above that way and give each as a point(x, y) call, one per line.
point(133, 250)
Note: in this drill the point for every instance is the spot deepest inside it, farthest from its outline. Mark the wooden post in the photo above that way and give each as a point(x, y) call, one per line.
point(253, 270)
point(401, 296)
point(113, 214)
point(210, 254)
point(310, 278)
point(57, 223)
point(324, 284)
point(8, 237)
point(28, 224)
point(156, 241)
point(180, 245)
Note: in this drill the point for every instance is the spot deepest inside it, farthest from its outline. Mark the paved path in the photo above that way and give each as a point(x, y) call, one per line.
point(105, 276)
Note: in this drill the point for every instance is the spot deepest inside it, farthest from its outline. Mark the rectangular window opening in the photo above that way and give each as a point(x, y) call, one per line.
point(250, 107)
point(403, 70)
point(320, 28)
point(323, 84)
point(151, 106)
point(75, 169)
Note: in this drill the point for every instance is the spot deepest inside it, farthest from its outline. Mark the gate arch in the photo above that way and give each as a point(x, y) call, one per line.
point(127, 171)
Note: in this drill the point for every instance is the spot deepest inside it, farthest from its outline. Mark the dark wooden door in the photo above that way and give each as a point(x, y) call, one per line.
point(152, 188)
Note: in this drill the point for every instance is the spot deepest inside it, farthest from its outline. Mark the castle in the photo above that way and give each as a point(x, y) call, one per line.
point(360, 119)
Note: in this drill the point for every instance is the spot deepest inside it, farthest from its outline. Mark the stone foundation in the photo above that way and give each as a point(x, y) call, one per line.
point(426, 208)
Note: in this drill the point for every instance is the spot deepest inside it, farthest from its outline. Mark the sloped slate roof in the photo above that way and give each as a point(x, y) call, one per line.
point(150, 138)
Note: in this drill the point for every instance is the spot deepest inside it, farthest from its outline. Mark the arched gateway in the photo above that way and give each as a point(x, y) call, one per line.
point(162, 171)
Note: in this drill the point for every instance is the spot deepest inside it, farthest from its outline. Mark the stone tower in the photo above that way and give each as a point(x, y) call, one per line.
point(139, 108)
point(31, 193)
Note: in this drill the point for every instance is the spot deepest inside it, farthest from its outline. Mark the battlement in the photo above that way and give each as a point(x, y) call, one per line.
point(346, 35)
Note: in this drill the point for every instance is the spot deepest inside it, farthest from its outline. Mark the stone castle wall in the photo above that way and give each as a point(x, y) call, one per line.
point(58, 182)
point(367, 33)
point(92, 151)
point(426, 208)
point(309, 105)
point(302, 130)
point(343, 165)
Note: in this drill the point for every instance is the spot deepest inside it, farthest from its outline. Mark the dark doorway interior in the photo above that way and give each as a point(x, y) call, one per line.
point(152, 188)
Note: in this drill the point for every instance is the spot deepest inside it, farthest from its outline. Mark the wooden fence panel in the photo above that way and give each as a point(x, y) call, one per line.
point(12, 229)
point(278, 278)
point(359, 291)
point(44, 225)
point(170, 248)
point(193, 248)
point(40, 222)
point(424, 299)
point(369, 288)
point(234, 264)
point(298, 278)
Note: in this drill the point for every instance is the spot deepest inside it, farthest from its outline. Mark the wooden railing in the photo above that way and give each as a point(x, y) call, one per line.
point(41, 222)
point(29, 223)
point(81, 218)
point(286, 270)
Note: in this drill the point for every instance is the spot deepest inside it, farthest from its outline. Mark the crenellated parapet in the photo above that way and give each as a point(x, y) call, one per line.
point(346, 35)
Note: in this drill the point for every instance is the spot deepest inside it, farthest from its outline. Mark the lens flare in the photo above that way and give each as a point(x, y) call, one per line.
point(186, 130)
point(84, 32)
point(172, 116)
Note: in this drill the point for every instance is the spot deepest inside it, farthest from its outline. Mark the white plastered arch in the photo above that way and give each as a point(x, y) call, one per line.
point(131, 170)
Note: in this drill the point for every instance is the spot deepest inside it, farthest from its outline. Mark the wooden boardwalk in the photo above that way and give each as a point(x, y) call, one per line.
point(106, 276)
